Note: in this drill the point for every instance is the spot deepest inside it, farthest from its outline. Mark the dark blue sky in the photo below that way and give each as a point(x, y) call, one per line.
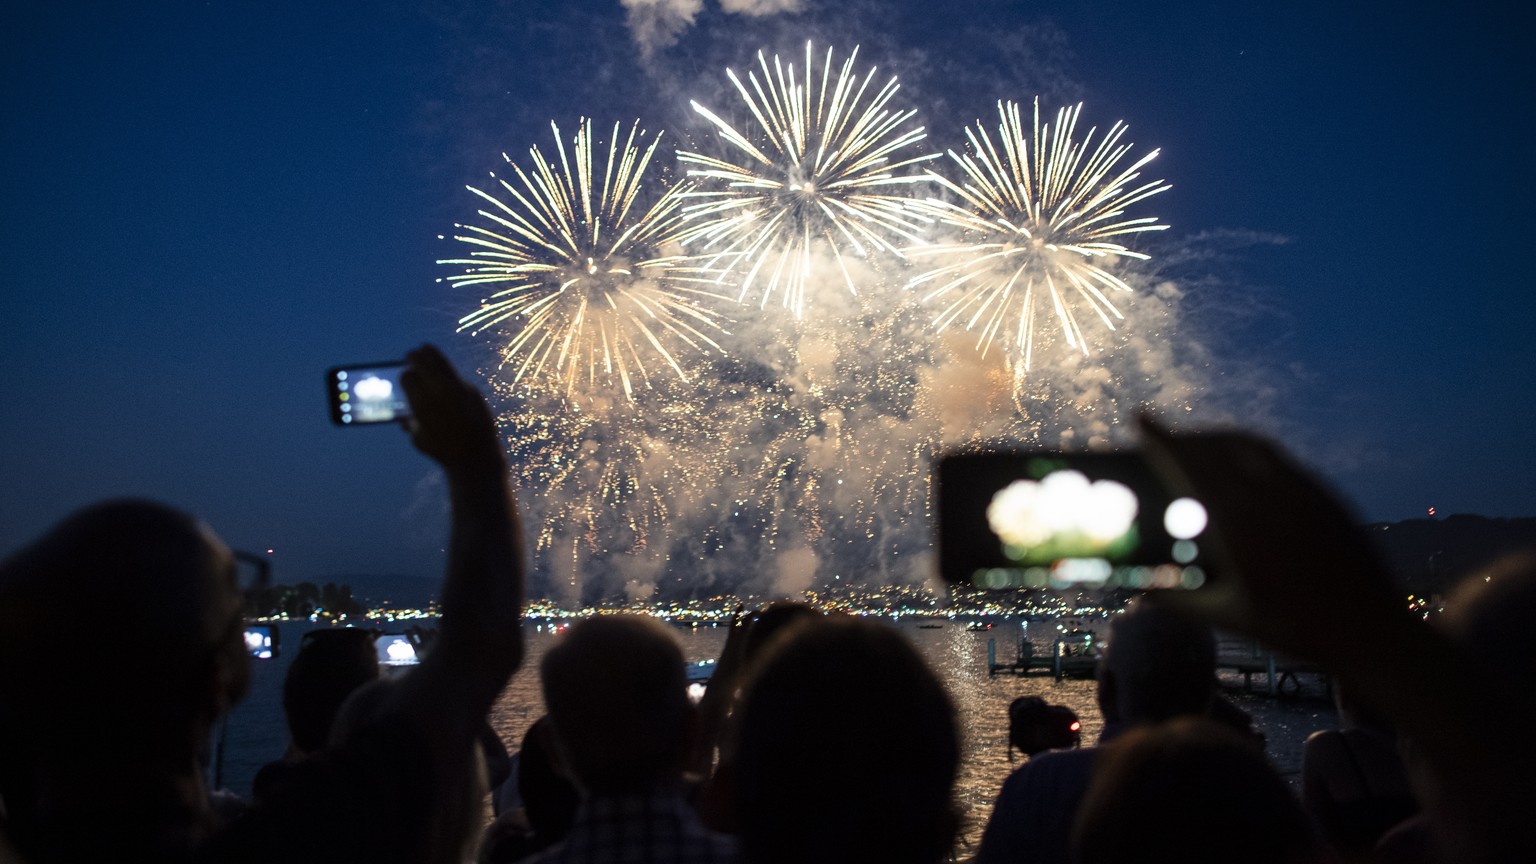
point(207, 204)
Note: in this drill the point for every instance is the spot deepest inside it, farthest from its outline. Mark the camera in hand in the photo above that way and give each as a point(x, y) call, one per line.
point(1035, 726)
point(1048, 519)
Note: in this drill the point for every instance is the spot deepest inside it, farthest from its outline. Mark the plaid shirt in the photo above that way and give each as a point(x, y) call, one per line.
point(659, 828)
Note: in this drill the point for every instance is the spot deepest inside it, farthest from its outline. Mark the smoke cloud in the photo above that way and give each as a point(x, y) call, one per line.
point(657, 24)
point(759, 8)
point(804, 448)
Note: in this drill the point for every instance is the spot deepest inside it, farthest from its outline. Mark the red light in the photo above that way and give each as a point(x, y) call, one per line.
point(1431, 511)
point(1076, 726)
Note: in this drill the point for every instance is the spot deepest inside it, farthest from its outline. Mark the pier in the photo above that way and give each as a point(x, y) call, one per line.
point(1074, 655)
point(1281, 676)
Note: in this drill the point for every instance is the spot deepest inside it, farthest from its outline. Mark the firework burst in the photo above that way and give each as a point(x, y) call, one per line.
point(587, 274)
point(1037, 224)
point(822, 169)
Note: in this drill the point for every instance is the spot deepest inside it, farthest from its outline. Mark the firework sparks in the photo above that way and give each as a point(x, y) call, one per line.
point(822, 169)
point(589, 279)
point(1039, 214)
point(603, 469)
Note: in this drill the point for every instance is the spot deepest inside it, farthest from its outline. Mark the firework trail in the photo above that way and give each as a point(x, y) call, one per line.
point(606, 474)
point(1036, 231)
point(588, 279)
point(822, 169)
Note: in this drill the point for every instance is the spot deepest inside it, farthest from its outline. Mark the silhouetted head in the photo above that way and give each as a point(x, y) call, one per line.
point(123, 623)
point(121, 644)
point(616, 690)
point(771, 620)
point(1156, 666)
point(847, 750)
point(1193, 791)
point(1489, 615)
point(330, 665)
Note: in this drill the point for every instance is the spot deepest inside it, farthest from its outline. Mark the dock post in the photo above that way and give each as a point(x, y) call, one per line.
point(991, 658)
point(1270, 666)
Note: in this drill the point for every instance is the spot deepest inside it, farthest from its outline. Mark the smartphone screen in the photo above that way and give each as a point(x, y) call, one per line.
point(1046, 519)
point(395, 649)
point(261, 641)
point(366, 393)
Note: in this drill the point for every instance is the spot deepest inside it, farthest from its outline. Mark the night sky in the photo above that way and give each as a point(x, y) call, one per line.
point(205, 205)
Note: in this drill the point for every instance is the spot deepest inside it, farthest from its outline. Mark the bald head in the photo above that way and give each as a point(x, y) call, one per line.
point(616, 690)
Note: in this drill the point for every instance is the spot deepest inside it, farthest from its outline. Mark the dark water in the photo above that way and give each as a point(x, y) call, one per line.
point(256, 733)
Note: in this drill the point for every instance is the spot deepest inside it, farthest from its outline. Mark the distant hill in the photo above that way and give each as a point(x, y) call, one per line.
point(1428, 556)
point(399, 590)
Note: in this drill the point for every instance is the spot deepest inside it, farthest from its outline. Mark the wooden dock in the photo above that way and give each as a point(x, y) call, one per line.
point(1280, 676)
point(1075, 656)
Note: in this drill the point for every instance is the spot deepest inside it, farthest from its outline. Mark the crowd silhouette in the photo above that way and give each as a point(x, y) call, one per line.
point(821, 738)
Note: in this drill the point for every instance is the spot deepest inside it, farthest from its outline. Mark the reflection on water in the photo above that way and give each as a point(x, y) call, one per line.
point(959, 656)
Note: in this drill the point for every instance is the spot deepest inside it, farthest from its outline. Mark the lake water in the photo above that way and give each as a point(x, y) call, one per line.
point(256, 731)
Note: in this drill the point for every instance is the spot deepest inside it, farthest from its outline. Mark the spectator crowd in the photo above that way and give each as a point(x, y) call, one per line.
point(821, 738)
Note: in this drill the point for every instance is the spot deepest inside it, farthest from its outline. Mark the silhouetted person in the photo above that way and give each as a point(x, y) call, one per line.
point(121, 644)
point(616, 689)
point(403, 773)
point(1296, 573)
point(1156, 666)
point(1488, 618)
point(1192, 791)
point(748, 637)
point(330, 666)
point(1353, 781)
point(1035, 726)
point(847, 750)
point(548, 801)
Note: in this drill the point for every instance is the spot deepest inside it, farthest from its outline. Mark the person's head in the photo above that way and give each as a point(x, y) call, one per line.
point(123, 623)
point(847, 750)
point(1487, 622)
point(330, 665)
point(616, 689)
point(773, 619)
point(1190, 790)
point(121, 644)
point(1035, 725)
point(1156, 666)
point(1489, 617)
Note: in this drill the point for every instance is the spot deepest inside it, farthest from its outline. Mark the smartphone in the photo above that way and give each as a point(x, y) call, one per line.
point(261, 641)
point(1052, 519)
point(396, 649)
point(366, 393)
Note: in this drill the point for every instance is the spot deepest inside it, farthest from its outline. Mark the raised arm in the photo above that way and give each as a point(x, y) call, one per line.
point(1297, 574)
point(401, 777)
point(479, 643)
